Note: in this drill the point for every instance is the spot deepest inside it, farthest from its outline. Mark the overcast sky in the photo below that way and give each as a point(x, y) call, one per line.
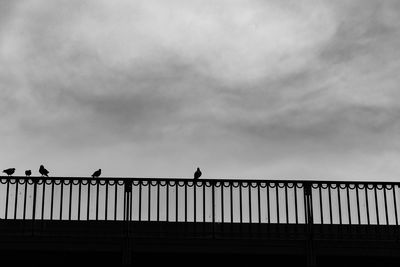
point(284, 89)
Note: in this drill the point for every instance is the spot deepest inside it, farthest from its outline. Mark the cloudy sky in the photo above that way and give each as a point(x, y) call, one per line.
point(304, 89)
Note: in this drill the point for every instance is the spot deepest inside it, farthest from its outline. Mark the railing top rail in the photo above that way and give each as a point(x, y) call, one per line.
point(185, 179)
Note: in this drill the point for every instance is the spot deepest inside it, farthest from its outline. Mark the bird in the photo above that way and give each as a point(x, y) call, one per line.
point(197, 173)
point(28, 172)
point(43, 171)
point(96, 173)
point(9, 171)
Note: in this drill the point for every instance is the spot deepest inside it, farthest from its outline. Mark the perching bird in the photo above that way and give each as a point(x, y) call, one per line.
point(9, 171)
point(96, 173)
point(43, 171)
point(28, 172)
point(197, 174)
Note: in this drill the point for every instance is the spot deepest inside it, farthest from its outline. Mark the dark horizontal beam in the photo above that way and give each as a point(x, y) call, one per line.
point(201, 237)
point(185, 179)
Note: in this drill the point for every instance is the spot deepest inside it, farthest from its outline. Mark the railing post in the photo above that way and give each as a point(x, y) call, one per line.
point(308, 203)
point(127, 199)
point(34, 181)
point(126, 246)
point(213, 208)
point(311, 257)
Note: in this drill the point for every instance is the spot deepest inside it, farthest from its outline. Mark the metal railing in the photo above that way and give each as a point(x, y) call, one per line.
point(204, 200)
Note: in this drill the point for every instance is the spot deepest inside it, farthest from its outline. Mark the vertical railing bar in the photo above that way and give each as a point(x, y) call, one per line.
point(286, 203)
point(194, 201)
point(149, 202)
point(61, 198)
point(259, 202)
point(167, 202)
point(339, 204)
point(231, 200)
point(231, 204)
point(130, 195)
point(348, 203)
point(306, 205)
point(295, 203)
point(321, 204)
point(16, 198)
point(213, 207)
point(176, 201)
point(7, 193)
point(185, 201)
point(376, 205)
point(97, 199)
point(366, 203)
point(311, 205)
point(25, 191)
point(70, 199)
point(277, 202)
point(213, 203)
point(240, 203)
point(158, 201)
point(395, 204)
point(222, 202)
point(88, 201)
point(52, 200)
point(268, 205)
point(79, 199)
point(386, 209)
point(250, 213)
point(115, 199)
point(34, 199)
point(131, 201)
point(358, 205)
point(106, 202)
point(125, 216)
point(330, 203)
point(204, 202)
point(128, 203)
point(43, 197)
point(128, 187)
point(140, 201)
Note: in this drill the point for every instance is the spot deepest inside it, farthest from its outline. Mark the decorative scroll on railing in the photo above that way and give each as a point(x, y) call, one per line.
point(204, 200)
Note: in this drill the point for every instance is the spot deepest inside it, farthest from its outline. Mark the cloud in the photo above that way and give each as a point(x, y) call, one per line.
point(244, 87)
point(235, 41)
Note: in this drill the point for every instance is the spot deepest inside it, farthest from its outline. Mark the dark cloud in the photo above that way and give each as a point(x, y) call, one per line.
point(244, 88)
point(373, 32)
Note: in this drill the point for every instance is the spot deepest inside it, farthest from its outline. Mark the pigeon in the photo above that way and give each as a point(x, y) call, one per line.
point(43, 171)
point(197, 174)
point(96, 173)
point(9, 171)
point(28, 172)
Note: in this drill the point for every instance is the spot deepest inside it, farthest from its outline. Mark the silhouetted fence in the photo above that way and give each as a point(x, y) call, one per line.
point(204, 200)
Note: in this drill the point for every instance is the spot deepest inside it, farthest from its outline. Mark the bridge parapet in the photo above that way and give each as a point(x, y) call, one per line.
point(206, 200)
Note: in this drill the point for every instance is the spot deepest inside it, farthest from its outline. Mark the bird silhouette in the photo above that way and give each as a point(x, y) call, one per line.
point(96, 173)
point(43, 171)
point(197, 174)
point(28, 172)
point(9, 171)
